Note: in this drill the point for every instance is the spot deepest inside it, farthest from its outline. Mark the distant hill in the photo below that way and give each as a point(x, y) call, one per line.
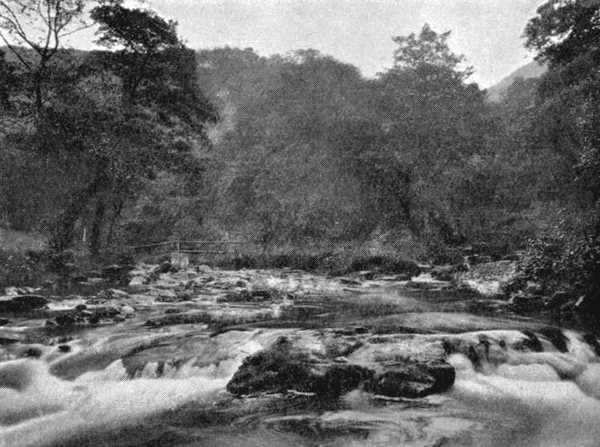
point(531, 70)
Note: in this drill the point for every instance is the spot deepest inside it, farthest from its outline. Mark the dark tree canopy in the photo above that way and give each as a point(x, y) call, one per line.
point(135, 30)
point(563, 29)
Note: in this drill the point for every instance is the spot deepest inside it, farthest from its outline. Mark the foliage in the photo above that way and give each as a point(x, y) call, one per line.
point(565, 34)
point(40, 25)
point(98, 136)
point(18, 268)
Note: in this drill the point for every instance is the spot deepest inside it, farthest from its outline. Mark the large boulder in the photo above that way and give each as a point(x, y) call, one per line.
point(282, 368)
point(285, 366)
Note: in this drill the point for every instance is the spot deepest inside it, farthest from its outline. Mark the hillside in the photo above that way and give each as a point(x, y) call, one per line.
point(531, 70)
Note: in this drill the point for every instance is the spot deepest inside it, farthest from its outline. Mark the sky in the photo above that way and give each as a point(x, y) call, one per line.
point(488, 32)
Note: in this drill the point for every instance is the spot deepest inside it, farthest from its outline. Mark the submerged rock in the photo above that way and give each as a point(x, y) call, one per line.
point(23, 303)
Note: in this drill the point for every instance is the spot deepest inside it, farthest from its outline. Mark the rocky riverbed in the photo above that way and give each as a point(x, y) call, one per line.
point(199, 356)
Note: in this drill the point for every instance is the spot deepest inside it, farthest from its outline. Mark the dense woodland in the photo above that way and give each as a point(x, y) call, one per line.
point(146, 140)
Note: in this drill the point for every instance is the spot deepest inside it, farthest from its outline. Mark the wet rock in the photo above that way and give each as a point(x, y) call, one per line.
point(168, 296)
point(444, 272)
point(588, 304)
point(491, 279)
point(8, 341)
point(32, 351)
point(23, 303)
point(252, 296)
point(592, 341)
point(531, 343)
point(413, 380)
point(165, 267)
point(384, 264)
point(556, 337)
point(203, 268)
point(111, 294)
point(558, 299)
point(350, 282)
point(522, 302)
point(282, 368)
point(339, 379)
point(273, 370)
point(478, 259)
point(172, 319)
point(428, 285)
point(78, 277)
point(127, 311)
point(67, 320)
point(11, 291)
point(533, 288)
point(366, 275)
point(117, 272)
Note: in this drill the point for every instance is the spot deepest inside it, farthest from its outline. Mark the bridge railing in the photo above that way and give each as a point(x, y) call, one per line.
point(189, 247)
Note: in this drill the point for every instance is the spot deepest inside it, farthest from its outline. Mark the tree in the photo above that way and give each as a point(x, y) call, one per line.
point(40, 25)
point(563, 30)
point(121, 119)
point(435, 121)
point(8, 81)
point(566, 35)
point(427, 48)
point(139, 35)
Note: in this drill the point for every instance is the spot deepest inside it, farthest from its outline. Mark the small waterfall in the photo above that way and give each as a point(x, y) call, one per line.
point(556, 393)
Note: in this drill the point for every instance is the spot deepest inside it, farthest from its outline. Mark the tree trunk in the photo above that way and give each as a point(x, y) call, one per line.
point(96, 233)
point(37, 88)
point(117, 209)
point(64, 227)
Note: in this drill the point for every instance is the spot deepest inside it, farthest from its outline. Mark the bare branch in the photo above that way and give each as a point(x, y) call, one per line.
point(15, 52)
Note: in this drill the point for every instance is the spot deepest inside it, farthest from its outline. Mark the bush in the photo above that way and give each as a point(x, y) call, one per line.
point(564, 260)
point(20, 269)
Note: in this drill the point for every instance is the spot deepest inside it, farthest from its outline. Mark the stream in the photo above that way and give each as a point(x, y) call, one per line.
point(148, 365)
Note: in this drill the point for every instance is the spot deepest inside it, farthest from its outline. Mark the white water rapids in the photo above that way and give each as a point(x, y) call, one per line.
point(513, 397)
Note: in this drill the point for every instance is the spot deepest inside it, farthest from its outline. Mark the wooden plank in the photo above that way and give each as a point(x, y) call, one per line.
point(214, 242)
point(204, 252)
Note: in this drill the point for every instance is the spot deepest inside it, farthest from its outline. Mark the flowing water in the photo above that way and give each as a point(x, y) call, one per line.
point(158, 377)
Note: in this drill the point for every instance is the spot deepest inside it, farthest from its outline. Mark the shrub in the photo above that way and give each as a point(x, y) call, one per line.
point(19, 269)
